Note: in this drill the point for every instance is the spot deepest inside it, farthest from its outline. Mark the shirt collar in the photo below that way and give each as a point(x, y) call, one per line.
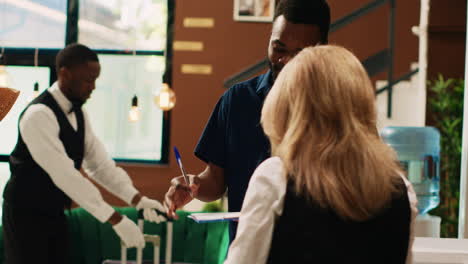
point(61, 99)
point(264, 85)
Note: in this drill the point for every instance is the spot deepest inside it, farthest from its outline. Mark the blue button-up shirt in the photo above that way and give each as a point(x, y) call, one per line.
point(233, 138)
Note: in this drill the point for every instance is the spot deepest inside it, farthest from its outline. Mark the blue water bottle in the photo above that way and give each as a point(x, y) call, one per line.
point(418, 150)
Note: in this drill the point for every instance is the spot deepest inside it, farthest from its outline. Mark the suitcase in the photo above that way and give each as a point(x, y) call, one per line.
point(153, 239)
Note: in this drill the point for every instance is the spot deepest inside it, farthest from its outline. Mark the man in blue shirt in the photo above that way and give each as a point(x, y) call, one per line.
point(233, 143)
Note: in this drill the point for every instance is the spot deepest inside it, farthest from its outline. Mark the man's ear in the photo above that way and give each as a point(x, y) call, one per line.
point(64, 74)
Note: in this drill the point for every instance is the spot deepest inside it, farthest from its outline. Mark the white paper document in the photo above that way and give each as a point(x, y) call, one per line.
point(215, 217)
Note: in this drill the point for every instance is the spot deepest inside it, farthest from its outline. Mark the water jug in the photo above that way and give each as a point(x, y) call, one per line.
point(418, 150)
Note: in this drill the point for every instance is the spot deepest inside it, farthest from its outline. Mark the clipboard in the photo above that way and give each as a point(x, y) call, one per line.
point(214, 217)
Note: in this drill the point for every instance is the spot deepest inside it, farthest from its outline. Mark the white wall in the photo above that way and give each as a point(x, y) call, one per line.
point(409, 104)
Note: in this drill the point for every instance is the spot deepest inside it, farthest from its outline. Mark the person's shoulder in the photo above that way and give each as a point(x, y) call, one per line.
point(247, 86)
point(271, 168)
point(36, 115)
point(271, 164)
point(250, 82)
point(270, 173)
point(37, 111)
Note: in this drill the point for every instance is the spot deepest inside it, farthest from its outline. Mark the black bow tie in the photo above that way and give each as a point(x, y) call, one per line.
point(76, 107)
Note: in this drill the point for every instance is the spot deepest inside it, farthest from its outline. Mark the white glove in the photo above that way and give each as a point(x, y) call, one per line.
point(129, 233)
point(148, 206)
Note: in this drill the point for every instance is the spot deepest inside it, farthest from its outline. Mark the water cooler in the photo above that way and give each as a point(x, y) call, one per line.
point(418, 150)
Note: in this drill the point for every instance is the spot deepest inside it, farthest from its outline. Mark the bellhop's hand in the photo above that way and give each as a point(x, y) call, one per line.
point(149, 206)
point(129, 233)
point(180, 193)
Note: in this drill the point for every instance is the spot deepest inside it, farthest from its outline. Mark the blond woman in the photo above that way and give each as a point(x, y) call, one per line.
point(333, 191)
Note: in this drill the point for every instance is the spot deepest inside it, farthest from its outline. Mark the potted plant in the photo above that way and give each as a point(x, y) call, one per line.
point(446, 113)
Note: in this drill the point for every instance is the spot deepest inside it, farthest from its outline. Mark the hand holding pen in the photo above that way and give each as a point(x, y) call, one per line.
point(179, 162)
point(183, 189)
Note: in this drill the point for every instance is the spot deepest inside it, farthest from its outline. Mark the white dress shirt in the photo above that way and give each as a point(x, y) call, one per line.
point(40, 131)
point(263, 205)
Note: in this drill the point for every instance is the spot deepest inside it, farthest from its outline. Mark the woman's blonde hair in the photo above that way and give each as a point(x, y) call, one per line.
point(320, 118)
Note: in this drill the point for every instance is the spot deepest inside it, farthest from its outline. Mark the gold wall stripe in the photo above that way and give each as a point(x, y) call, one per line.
point(188, 45)
point(204, 69)
point(199, 22)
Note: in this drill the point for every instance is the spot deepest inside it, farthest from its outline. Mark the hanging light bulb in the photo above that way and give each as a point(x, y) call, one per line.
point(166, 98)
point(134, 113)
point(8, 95)
point(36, 90)
point(4, 77)
point(36, 63)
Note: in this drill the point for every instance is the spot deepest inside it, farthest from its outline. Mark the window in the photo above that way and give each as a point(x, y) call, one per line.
point(16, 77)
point(109, 105)
point(130, 38)
point(23, 23)
point(123, 25)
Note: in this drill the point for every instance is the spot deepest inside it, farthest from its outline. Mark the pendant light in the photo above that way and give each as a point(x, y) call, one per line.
point(36, 84)
point(166, 98)
point(134, 113)
point(4, 76)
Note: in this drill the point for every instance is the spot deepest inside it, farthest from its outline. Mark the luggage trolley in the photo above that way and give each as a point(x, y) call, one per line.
point(153, 239)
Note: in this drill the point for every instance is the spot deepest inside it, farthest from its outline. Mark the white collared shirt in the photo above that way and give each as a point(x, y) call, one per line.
point(263, 205)
point(39, 129)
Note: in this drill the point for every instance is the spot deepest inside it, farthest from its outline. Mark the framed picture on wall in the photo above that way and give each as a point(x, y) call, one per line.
point(254, 10)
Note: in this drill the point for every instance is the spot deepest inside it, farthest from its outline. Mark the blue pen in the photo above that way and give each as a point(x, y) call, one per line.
point(179, 162)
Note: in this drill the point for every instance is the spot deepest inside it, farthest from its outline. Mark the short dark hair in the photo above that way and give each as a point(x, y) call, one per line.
point(73, 55)
point(313, 12)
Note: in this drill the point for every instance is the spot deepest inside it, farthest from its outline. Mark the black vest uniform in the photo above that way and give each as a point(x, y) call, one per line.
point(306, 233)
point(33, 218)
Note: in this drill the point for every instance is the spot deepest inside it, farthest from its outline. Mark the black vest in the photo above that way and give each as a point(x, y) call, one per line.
point(306, 233)
point(30, 186)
